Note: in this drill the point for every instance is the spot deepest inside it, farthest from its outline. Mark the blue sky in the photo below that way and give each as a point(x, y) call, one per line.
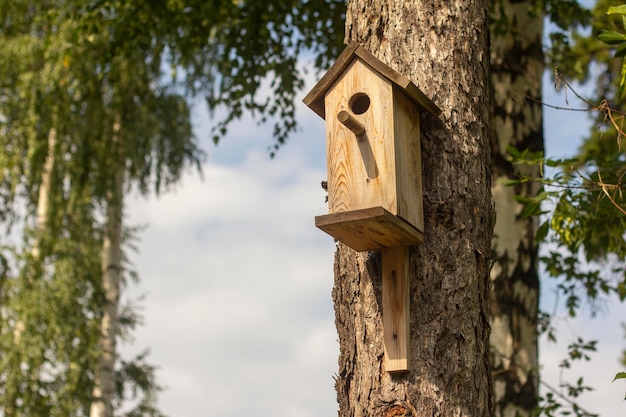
point(238, 311)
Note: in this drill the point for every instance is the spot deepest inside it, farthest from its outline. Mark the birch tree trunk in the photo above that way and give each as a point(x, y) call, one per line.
point(17, 354)
point(516, 73)
point(442, 47)
point(104, 383)
point(43, 200)
point(43, 204)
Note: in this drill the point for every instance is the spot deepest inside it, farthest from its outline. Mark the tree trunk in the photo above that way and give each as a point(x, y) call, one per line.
point(104, 383)
point(16, 356)
point(43, 200)
point(442, 48)
point(516, 73)
point(43, 206)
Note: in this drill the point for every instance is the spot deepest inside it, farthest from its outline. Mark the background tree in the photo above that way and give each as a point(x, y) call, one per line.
point(586, 189)
point(36, 343)
point(517, 66)
point(81, 82)
point(584, 192)
point(577, 223)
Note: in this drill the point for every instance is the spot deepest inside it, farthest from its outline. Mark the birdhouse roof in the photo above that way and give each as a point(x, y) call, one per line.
point(315, 98)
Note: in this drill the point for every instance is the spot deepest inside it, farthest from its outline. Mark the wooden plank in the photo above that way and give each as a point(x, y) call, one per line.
point(408, 160)
point(396, 308)
point(369, 229)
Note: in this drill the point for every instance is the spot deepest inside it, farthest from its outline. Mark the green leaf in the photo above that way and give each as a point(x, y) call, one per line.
point(513, 151)
point(522, 200)
point(532, 209)
point(510, 182)
point(542, 232)
point(621, 9)
point(620, 375)
point(620, 52)
point(612, 37)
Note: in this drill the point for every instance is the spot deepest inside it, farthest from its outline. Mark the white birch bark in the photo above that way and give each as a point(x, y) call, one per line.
point(43, 203)
point(516, 74)
point(104, 386)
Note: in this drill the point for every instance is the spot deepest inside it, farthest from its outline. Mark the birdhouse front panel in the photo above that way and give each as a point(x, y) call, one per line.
point(360, 141)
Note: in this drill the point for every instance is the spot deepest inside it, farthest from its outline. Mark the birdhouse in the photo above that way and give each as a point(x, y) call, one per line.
point(374, 181)
point(374, 184)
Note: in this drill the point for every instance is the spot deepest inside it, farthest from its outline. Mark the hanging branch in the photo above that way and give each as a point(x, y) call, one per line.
point(573, 404)
point(612, 116)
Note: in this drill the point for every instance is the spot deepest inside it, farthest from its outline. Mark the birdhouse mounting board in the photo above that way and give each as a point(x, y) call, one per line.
point(396, 308)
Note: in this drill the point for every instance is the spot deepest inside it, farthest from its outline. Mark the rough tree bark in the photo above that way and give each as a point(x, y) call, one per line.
point(517, 67)
point(442, 47)
point(104, 381)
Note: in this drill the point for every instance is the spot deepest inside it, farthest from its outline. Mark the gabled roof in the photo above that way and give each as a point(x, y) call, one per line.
point(315, 98)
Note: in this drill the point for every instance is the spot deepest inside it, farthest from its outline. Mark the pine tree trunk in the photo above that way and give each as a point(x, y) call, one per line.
point(442, 48)
point(516, 72)
point(104, 384)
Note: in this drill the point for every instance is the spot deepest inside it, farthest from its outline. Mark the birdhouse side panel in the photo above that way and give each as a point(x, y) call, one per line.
point(360, 155)
point(408, 160)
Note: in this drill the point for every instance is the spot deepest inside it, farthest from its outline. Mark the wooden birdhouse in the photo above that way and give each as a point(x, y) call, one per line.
point(374, 183)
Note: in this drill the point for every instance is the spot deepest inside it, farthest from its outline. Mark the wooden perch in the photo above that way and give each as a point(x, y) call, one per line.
point(351, 122)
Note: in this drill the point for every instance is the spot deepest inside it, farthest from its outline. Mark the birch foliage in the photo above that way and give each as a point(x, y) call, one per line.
point(66, 70)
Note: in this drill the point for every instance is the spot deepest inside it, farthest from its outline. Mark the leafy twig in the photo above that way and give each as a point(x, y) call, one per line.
point(566, 399)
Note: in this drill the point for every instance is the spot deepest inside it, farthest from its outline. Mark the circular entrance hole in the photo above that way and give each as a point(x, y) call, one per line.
point(359, 103)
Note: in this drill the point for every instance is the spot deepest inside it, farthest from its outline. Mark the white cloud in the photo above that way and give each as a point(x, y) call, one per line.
point(239, 315)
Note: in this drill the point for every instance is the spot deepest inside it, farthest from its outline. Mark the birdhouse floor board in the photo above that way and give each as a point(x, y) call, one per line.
point(369, 229)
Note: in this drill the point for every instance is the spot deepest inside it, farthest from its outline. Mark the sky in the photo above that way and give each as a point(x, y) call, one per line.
point(237, 281)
